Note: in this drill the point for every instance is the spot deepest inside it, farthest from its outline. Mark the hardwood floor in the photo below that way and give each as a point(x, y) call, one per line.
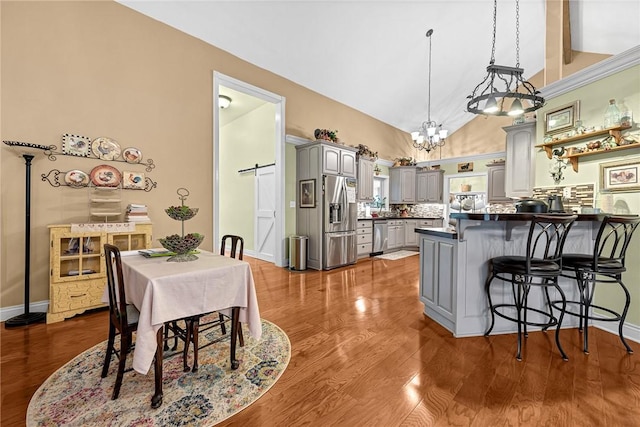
point(363, 354)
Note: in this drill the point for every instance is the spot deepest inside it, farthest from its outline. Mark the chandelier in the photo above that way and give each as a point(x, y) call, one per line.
point(522, 95)
point(430, 135)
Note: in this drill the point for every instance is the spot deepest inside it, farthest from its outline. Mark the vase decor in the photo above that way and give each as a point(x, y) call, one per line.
point(183, 246)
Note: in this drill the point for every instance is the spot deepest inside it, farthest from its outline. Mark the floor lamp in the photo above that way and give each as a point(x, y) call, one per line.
point(27, 151)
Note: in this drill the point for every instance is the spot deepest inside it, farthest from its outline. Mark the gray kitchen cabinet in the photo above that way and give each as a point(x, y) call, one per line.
point(364, 238)
point(365, 180)
point(338, 161)
point(395, 230)
point(410, 235)
point(430, 223)
point(520, 167)
point(496, 183)
point(438, 279)
point(429, 186)
point(402, 185)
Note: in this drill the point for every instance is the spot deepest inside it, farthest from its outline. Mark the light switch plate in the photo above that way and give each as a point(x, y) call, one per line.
point(292, 204)
point(566, 192)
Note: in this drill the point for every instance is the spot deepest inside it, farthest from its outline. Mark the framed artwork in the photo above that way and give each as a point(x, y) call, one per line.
point(562, 119)
point(307, 193)
point(133, 180)
point(620, 176)
point(465, 167)
point(76, 145)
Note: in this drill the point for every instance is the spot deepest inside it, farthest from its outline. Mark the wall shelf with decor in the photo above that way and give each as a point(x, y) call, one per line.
point(107, 150)
point(615, 133)
point(101, 148)
point(573, 158)
point(79, 179)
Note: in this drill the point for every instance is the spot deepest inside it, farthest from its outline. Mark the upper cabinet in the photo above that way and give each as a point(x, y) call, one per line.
point(338, 161)
point(429, 186)
point(365, 180)
point(495, 183)
point(402, 185)
point(519, 170)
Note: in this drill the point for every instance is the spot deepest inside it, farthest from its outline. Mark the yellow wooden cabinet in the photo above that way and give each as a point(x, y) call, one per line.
point(78, 276)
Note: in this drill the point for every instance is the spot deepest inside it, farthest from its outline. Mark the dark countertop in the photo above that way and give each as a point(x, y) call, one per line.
point(399, 217)
point(439, 232)
point(523, 216)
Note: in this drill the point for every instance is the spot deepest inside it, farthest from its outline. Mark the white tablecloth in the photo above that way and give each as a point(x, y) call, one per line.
point(165, 291)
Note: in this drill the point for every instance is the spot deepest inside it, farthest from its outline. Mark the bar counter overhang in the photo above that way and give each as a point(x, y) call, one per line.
point(454, 267)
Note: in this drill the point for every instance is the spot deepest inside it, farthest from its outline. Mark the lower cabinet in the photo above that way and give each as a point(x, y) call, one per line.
point(395, 230)
point(364, 238)
point(438, 264)
point(410, 235)
point(430, 223)
point(77, 272)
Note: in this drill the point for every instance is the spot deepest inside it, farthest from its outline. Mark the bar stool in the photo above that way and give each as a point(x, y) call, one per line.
point(605, 265)
point(539, 267)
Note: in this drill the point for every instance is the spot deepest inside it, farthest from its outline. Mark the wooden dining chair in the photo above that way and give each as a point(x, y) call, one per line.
point(195, 326)
point(123, 319)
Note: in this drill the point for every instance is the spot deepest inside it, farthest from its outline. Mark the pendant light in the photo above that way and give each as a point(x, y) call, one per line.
point(504, 91)
point(430, 135)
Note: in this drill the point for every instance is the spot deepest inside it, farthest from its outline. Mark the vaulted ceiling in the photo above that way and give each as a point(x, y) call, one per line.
point(373, 55)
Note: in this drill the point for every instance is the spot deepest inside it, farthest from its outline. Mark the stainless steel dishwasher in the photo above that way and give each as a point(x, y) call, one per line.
point(380, 233)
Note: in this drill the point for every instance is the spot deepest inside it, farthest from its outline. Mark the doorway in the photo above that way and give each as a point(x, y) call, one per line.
point(264, 224)
point(277, 226)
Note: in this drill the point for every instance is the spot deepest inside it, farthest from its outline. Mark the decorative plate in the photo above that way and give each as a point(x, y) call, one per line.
point(105, 176)
point(105, 148)
point(133, 180)
point(132, 155)
point(76, 145)
point(76, 178)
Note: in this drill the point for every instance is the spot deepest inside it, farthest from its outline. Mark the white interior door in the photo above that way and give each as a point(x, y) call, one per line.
point(265, 218)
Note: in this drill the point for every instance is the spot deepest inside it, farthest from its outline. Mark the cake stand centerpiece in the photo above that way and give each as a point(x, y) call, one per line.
point(183, 245)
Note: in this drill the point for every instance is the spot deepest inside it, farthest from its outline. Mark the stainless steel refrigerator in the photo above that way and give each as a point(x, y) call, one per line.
point(339, 222)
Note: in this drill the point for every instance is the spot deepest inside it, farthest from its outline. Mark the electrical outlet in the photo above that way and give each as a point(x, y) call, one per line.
point(566, 192)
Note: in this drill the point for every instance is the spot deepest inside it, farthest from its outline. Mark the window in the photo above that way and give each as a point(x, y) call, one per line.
point(380, 192)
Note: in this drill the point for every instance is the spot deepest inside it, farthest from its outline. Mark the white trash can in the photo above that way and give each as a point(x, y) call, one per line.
point(298, 252)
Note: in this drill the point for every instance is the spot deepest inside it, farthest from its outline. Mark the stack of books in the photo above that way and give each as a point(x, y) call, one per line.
point(137, 213)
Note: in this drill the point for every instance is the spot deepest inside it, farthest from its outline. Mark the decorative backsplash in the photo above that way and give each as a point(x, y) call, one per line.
point(582, 195)
point(427, 210)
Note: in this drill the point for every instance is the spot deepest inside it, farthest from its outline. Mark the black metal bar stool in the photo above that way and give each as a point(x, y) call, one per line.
point(605, 265)
point(539, 267)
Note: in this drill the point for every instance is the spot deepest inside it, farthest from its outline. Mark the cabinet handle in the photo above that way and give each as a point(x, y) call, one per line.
point(78, 296)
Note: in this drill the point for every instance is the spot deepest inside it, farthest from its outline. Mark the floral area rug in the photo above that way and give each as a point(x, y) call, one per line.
point(76, 395)
point(397, 255)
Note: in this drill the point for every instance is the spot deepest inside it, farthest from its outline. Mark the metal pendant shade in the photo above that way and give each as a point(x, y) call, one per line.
point(504, 91)
point(430, 135)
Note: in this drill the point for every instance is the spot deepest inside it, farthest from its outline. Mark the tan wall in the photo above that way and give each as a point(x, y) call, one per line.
point(101, 69)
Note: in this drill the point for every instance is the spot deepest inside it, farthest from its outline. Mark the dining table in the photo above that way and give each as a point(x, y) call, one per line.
point(165, 291)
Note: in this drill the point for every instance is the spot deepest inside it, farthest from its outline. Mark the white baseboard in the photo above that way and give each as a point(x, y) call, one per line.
point(16, 310)
point(630, 331)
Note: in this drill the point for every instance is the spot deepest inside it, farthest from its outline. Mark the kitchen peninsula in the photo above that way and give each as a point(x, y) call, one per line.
point(454, 267)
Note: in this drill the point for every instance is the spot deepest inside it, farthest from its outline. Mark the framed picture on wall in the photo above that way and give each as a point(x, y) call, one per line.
point(562, 119)
point(620, 176)
point(307, 193)
point(465, 167)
